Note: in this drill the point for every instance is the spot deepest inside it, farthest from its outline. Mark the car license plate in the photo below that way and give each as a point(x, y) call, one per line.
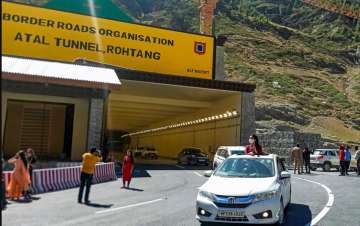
point(227, 213)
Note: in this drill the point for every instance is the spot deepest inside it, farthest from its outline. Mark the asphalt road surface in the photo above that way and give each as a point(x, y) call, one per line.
point(165, 195)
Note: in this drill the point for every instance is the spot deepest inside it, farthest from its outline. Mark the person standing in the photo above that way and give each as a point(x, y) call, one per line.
point(306, 157)
point(254, 147)
point(3, 189)
point(31, 158)
point(357, 158)
point(127, 168)
point(342, 160)
point(347, 159)
point(297, 158)
point(20, 178)
point(87, 172)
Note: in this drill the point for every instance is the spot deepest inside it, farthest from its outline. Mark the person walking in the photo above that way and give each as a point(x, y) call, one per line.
point(127, 168)
point(347, 159)
point(357, 158)
point(31, 158)
point(306, 157)
point(20, 178)
point(254, 147)
point(342, 160)
point(87, 171)
point(297, 159)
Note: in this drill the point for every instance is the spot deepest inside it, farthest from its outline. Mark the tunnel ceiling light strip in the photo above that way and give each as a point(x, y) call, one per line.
point(227, 114)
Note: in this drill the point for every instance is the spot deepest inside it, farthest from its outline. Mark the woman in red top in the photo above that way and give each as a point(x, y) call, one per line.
point(342, 160)
point(127, 168)
point(254, 148)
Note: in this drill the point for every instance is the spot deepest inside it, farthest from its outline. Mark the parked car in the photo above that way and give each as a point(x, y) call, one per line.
point(150, 153)
point(224, 152)
point(245, 189)
point(146, 152)
point(193, 156)
point(325, 159)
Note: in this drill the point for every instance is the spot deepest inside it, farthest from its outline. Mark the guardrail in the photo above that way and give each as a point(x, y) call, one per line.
point(54, 179)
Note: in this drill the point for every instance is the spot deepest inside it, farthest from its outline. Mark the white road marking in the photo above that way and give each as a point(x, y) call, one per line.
point(180, 167)
point(328, 205)
point(198, 174)
point(129, 206)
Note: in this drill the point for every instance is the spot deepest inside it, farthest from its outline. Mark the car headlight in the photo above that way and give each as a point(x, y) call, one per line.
point(207, 195)
point(266, 195)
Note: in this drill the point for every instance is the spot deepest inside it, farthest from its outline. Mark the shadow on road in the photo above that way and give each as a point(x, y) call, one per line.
point(173, 167)
point(298, 215)
point(141, 170)
point(134, 189)
point(35, 198)
point(96, 205)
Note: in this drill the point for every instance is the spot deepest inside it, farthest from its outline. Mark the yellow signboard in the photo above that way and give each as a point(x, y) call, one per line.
point(29, 31)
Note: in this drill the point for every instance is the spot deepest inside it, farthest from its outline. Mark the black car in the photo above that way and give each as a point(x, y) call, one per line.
point(193, 156)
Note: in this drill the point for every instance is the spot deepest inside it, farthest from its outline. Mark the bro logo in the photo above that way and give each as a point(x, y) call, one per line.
point(200, 48)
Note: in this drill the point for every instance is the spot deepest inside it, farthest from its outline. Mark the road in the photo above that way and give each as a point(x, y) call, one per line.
point(165, 195)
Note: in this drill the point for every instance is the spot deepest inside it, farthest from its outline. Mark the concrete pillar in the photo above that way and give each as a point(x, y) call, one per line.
point(220, 55)
point(219, 67)
point(247, 117)
point(95, 127)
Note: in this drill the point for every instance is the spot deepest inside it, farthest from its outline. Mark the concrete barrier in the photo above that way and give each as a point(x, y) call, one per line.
point(54, 179)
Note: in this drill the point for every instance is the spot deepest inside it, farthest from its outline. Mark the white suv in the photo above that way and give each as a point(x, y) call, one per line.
point(324, 158)
point(245, 189)
point(224, 152)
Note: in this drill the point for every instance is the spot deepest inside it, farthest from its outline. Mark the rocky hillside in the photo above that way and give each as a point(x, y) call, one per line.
point(305, 61)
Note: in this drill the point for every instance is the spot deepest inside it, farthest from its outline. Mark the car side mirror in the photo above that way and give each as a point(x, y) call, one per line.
point(284, 175)
point(208, 173)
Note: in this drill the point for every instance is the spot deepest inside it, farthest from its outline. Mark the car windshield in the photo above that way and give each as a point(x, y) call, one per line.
point(237, 152)
point(319, 152)
point(248, 168)
point(194, 151)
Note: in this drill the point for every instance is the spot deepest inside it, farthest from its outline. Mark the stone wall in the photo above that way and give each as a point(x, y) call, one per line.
point(281, 142)
point(95, 122)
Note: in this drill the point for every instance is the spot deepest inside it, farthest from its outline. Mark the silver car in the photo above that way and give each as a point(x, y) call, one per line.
point(245, 189)
point(224, 152)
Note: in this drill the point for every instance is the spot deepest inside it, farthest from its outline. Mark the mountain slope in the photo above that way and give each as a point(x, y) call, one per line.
point(301, 58)
point(305, 61)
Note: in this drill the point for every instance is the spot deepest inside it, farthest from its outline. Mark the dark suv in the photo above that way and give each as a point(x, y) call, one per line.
point(193, 156)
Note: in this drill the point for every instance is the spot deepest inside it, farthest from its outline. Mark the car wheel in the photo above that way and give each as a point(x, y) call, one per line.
point(327, 167)
point(313, 168)
point(188, 162)
point(281, 214)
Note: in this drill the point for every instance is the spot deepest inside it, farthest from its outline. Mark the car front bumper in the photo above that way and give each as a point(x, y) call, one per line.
point(272, 205)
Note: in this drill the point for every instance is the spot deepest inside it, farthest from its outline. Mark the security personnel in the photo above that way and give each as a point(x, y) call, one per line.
point(297, 158)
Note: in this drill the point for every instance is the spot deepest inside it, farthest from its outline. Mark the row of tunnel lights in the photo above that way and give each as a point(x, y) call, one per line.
point(227, 114)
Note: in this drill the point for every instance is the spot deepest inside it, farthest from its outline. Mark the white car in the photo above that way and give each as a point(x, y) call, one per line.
point(224, 152)
point(146, 152)
point(245, 189)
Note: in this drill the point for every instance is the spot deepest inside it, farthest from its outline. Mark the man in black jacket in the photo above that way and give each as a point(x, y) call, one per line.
point(306, 157)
